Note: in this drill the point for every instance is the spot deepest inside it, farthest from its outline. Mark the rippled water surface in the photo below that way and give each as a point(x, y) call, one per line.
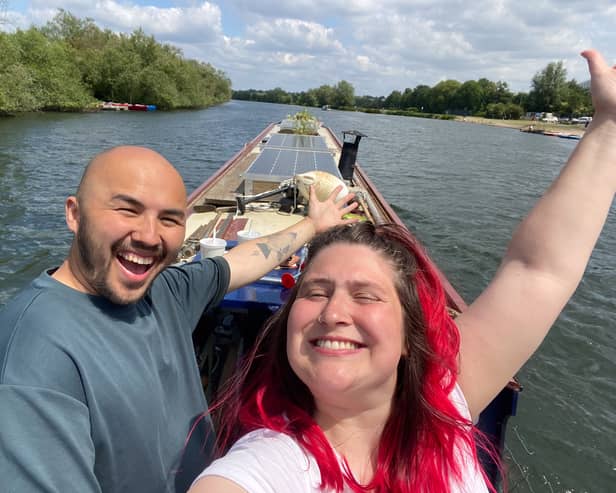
point(461, 187)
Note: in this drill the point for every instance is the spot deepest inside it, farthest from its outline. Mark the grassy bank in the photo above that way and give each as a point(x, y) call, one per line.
point(577, 129)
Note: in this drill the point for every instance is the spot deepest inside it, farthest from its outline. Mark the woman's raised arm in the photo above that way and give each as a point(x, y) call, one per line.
point(546, 258)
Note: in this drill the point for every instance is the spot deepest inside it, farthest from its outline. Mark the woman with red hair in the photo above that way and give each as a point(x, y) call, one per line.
point(362, 382)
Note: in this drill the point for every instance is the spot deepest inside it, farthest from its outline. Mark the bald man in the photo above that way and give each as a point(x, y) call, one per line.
point(99, 387)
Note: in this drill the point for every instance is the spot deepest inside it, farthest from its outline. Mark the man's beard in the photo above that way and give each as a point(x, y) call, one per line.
point(97, 279)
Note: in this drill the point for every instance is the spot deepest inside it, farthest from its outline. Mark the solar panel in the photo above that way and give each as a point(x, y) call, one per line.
point(294, 141)
point(274, 164)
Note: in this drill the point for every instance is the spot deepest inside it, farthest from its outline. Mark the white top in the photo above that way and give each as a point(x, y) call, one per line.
point(266, 461)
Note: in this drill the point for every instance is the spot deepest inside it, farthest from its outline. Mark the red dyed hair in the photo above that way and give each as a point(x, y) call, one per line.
point(424, 431)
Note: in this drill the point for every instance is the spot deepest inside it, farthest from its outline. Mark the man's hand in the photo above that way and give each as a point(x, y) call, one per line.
point(327, 214)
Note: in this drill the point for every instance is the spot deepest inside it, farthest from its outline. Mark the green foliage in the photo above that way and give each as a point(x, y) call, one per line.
point(16, 83)
point(548, 87)
point(443, 96)
point(70, 63)
point(576, 100)
point(552, 92)
point(306, 99)
point(469, 97)
point(51, 76)
point(416, 114)
point(505, 111)
point(304, 123)
point(480, 97)
point(344, 94)
point(338, 96)
point(394, 100)
point(371, 102)
point(422, 98)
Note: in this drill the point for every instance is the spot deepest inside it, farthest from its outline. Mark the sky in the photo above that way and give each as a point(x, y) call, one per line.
point(377, 46)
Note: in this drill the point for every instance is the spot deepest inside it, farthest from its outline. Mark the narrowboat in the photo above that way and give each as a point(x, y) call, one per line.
point(255, 193)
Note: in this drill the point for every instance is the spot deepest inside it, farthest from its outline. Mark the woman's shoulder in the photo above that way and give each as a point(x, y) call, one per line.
point(275, 445)
point(472, 480)
point(268, 461)
point(457, 398)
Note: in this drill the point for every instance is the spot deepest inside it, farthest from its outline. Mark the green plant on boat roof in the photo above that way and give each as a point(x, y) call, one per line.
point(304, 123)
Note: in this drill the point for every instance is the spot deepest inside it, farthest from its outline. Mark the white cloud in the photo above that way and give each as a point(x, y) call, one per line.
point(307, 9)
point(293, 35)
point(171, 24)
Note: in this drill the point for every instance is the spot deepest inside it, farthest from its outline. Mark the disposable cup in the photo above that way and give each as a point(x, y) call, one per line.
point(212, 247)
point(246, 234)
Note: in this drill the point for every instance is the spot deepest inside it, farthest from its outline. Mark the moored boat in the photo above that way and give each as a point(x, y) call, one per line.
point(258, 191)
point(111, 106)
point(531, 129)
point(570, 136)
point(141, 107)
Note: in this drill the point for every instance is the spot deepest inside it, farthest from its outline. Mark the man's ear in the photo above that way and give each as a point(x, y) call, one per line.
point(71, 211)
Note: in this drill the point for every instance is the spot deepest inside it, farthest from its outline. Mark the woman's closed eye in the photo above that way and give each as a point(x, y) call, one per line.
point(366, 297)
point(314, 289)
point(315, 293)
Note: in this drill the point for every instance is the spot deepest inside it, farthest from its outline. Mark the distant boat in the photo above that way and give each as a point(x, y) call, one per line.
point(550, 133)
point(325, 107)
point(142, 107)
point(111, 106)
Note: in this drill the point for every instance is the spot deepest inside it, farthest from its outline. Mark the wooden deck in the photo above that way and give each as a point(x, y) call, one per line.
point(230, 184)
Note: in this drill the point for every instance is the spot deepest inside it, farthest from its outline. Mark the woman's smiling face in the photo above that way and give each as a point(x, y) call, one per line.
point(345, 329)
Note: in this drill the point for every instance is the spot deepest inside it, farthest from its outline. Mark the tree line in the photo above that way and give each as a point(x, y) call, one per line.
point(550, 92)
point(70, 64)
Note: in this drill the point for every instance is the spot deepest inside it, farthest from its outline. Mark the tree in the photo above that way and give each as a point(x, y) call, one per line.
point(394, 100)
point(521, 99)
point(344, 94)
point(502, 93)
point(443, 96)
point(548, 87)
point(307, 98)
point(56, 75)
point(69, 62)
point(513, 111)
point(469, 97)
point(372, 102)
point(325, 95)
point(422, 98)
point(278, 95)
point(17, 86)
point(576, 100)
point(406, 101)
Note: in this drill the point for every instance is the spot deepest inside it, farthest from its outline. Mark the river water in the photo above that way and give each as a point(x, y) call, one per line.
point(460, 187)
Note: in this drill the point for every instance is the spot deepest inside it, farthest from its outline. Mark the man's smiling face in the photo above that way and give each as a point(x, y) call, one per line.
point(129, 223)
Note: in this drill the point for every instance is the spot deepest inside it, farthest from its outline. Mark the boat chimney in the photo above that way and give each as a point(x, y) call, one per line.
point(348, 156)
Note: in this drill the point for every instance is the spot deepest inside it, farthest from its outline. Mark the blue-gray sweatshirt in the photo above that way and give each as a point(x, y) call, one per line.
point(96, 396)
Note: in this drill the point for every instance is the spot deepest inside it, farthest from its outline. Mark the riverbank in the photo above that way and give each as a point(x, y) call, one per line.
point(576, 129)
